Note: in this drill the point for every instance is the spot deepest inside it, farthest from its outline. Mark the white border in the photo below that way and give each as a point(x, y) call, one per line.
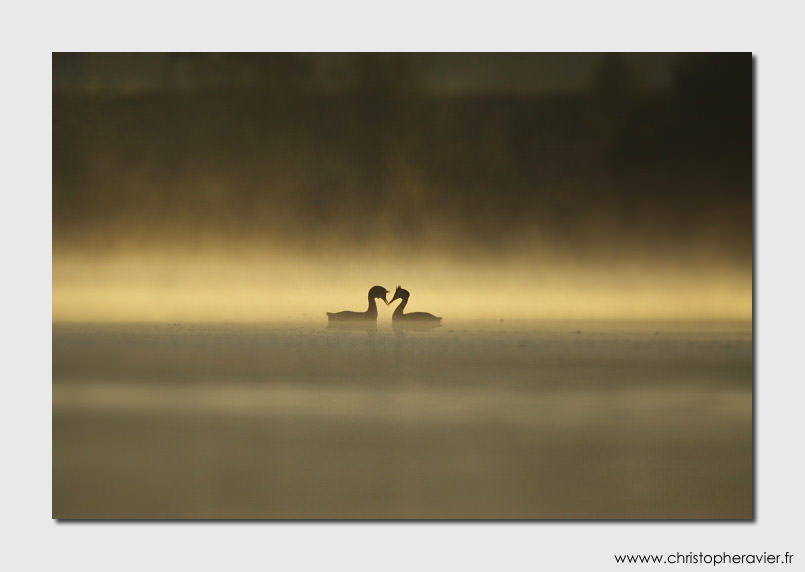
point(32, 30)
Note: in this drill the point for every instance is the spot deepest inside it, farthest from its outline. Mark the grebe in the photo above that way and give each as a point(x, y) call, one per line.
point(413, 318)
point(370, 315)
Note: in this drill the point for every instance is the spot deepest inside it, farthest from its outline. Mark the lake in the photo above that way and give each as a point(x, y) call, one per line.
point(474, 420)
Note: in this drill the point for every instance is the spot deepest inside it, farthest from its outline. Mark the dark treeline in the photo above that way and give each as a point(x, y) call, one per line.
point(245, 159)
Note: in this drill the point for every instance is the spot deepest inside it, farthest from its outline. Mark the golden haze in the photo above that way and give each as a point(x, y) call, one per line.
point(264, 286)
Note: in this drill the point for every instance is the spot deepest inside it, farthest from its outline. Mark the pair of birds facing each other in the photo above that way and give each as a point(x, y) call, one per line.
point(398, 317)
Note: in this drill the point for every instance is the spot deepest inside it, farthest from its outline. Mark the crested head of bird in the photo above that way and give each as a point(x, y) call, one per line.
point(400, 293)
point(379, 292)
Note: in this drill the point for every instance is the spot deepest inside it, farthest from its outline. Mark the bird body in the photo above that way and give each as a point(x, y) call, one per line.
point(370, 315)
point(413, 318)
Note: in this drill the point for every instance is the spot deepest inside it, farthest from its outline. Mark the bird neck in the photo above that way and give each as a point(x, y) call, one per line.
point(372, 310)
point(398, 311)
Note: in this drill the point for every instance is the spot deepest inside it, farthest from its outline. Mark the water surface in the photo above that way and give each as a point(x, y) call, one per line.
point(470, 420)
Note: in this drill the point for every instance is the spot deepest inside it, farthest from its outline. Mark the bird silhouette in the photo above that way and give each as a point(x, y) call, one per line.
point(370, 315)
point(417, 319)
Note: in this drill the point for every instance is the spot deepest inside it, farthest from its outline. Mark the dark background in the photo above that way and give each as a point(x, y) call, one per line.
point(588, 155)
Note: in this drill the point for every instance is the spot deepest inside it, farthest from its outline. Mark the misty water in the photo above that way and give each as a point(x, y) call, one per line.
point(489, 419)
